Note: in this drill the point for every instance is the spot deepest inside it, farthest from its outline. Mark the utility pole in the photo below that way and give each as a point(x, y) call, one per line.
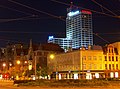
point(30, 57)
point(35, 67)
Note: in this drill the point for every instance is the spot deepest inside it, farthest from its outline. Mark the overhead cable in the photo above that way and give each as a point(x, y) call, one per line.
point(21, 18)
point(85, 8)
point(100, 37)
point(58, 17)
point(15, 10)
point(104, 7)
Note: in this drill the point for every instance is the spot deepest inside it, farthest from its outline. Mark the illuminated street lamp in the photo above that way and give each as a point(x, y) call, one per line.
point(25, 62)
point(52, 56)
point(18, 62)
point(4, 64)
point(10, 64)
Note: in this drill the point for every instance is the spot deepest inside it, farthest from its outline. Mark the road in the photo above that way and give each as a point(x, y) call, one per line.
point(6, 84)
point(36, 87)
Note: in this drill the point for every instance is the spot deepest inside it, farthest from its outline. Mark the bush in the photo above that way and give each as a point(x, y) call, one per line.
point(63, 83)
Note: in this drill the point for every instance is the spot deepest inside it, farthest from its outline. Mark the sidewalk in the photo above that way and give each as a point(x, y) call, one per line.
point(6, 82)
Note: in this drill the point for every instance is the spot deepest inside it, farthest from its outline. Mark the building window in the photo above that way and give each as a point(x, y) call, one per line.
point(95, 66)
point(112, 58)
point(39, 53)
point(105, 58)
point(113, 66)
point(94, 57)
point(116, 58)
point(84, 66)
point(90, 66)
point(106, 66)
point(100, 66)
point(89, 58)
point(117, 66)
point(109, 58)
point(112, 50)
point(84, 57)
point(100, 57)
point(110, 66)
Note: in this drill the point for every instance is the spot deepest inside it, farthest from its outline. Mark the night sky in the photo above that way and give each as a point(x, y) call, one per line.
point(21, 20)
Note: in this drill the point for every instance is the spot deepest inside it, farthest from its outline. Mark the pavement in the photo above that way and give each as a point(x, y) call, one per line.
point(8, 84)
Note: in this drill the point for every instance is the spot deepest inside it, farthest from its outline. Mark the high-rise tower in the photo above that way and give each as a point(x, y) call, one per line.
point(79, 32)
point(79, 27)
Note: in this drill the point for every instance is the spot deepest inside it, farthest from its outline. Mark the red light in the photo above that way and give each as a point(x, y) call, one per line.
point(5, 75)
point(86, 12)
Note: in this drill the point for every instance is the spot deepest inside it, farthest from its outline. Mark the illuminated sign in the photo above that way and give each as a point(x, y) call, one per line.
point(86, 12)
point(73, 13)
point(50, 37)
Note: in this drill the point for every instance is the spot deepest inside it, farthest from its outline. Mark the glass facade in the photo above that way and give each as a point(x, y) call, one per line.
point(62, 42)
point(79, 31)
point(79, 28)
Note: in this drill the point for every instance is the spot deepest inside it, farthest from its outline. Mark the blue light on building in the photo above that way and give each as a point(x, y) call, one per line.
point(73, 13)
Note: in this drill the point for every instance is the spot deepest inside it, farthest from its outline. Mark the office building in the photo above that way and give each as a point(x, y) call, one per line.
point(79, 30)
point(79, 27)
point(64, 43)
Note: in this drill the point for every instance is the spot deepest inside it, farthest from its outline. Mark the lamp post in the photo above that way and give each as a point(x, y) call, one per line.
point(52, 57)
point(4, 65)
point(10, 64)
point(35, 68)
point(18, 64)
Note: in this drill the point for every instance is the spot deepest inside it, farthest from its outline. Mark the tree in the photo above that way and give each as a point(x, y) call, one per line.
point(44, 71)
point(41, 71)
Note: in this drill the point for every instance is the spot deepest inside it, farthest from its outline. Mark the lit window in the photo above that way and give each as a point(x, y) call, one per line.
point(100, 66)
point(100, 57)
point(95, 66)
point(89, 58)
point(90, 66)
point(84, 57)
point(94, 57)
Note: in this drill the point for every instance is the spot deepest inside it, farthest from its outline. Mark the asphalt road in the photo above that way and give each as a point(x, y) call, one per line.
point(36, 87)
point(9, 85)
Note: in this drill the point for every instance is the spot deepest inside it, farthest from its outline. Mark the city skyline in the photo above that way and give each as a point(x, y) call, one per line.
point(14, 30)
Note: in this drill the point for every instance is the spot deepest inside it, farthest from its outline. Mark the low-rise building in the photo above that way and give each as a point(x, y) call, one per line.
point(94, 62)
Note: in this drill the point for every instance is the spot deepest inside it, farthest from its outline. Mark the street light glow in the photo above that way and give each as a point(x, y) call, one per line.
point(52, 56)
point(10, 64)
point(25, 62)
point(4, 64)
point(18, 62)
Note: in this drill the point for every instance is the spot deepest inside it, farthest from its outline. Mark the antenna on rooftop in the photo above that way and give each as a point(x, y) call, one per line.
point(71, 5)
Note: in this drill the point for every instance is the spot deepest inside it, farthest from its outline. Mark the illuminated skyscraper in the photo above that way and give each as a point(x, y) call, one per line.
point(79, 31)
point(79, 27)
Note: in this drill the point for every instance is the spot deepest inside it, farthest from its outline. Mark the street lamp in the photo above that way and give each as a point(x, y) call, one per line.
point(52, 56)
point(18, 62)
point(10, 64)
point(25, 62)
point(4, 64)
